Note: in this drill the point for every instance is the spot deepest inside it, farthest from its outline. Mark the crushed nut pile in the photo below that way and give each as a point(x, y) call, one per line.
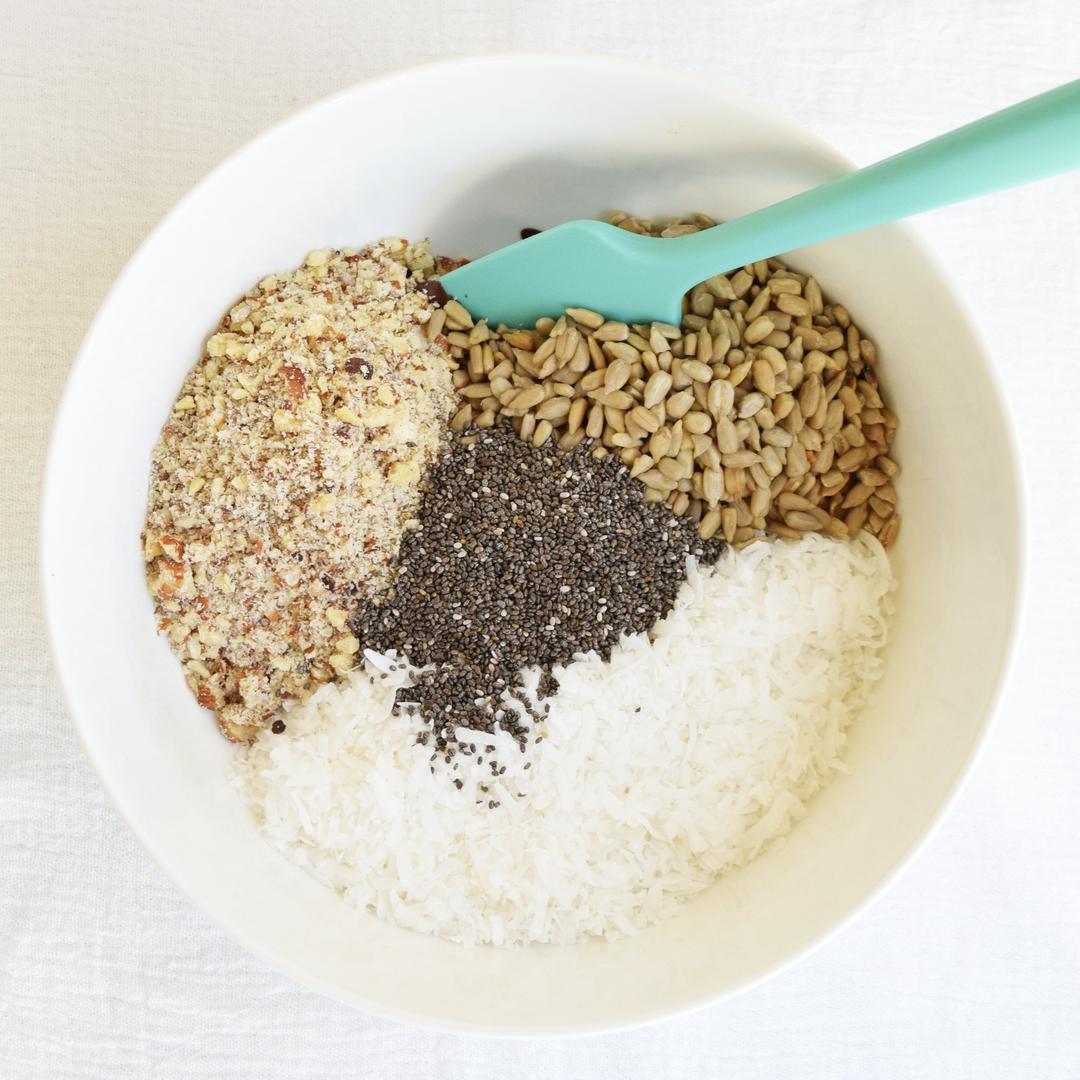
point(760, 412)
point(289, 467)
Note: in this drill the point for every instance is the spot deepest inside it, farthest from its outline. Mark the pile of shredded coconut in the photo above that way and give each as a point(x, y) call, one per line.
point(672, 763)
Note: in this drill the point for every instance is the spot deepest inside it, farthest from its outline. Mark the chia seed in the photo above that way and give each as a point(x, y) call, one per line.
point(481, 592)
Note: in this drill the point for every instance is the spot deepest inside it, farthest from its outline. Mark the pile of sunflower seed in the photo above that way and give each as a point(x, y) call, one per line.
point(523, 557)
point(761, 412)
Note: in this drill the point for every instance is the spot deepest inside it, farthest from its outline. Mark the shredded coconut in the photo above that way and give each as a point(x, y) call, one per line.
point(672, 763)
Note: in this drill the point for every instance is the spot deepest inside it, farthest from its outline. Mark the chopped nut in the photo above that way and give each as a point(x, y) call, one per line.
point(347, 644)
point(346, 416)
point(279, 499)
point(405, 472)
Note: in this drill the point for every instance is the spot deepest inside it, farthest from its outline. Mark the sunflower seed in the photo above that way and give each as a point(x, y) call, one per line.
point(612, 331)
point(785, 532)
point(709, 525)
point(764, 377)
point(789, 500)
point(697, 423)
point(796, 306)
point(462, 418)
point(856, 496)
point(887, 536)
point(555, 408)
point(654, 478)
point(810, 395)
point(621, 350)
point(457, 316)
point(751, 404)
point(673, 469)
point(873, 477)
point(765, 396)
point(660, 443)
point(542, 433)
point(729, 522)
point(528, 398)
point(697, 370)
point(678, 405)
point(616, 374)
point(586, 317)
point(797, 463)
point(656, 389)
point(646, 419)
point(882, 508)
point(613, 399)
point(740, 459)
point(727, 438)
point(712, 486)
point(758, 329)
point(851, 459)
point(801, 521)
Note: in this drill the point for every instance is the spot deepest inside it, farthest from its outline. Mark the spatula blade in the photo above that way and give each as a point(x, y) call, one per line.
point(577, 264)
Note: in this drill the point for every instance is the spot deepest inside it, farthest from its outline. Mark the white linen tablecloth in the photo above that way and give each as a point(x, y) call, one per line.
point(109, 111)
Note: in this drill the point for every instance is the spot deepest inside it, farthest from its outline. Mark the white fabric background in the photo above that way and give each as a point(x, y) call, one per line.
point(109, 111)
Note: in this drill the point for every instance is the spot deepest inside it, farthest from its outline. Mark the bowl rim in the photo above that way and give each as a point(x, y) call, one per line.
point(1016, 618)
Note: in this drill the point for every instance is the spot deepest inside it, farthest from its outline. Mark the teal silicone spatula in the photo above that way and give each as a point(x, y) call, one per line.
point(640, 278)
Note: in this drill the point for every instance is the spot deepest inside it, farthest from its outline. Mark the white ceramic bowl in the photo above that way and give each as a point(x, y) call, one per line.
point(467, 153)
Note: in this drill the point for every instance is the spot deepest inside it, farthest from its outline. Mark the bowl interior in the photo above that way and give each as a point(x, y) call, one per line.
point(568, 137)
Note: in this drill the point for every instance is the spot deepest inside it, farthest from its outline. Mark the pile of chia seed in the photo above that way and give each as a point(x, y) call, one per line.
point(523, 557)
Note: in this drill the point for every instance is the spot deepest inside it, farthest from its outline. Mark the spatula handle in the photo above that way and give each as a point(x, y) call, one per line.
point(1035, 139)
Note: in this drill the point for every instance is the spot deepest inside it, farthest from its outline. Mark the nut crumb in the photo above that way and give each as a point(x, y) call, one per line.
point(287, 471)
